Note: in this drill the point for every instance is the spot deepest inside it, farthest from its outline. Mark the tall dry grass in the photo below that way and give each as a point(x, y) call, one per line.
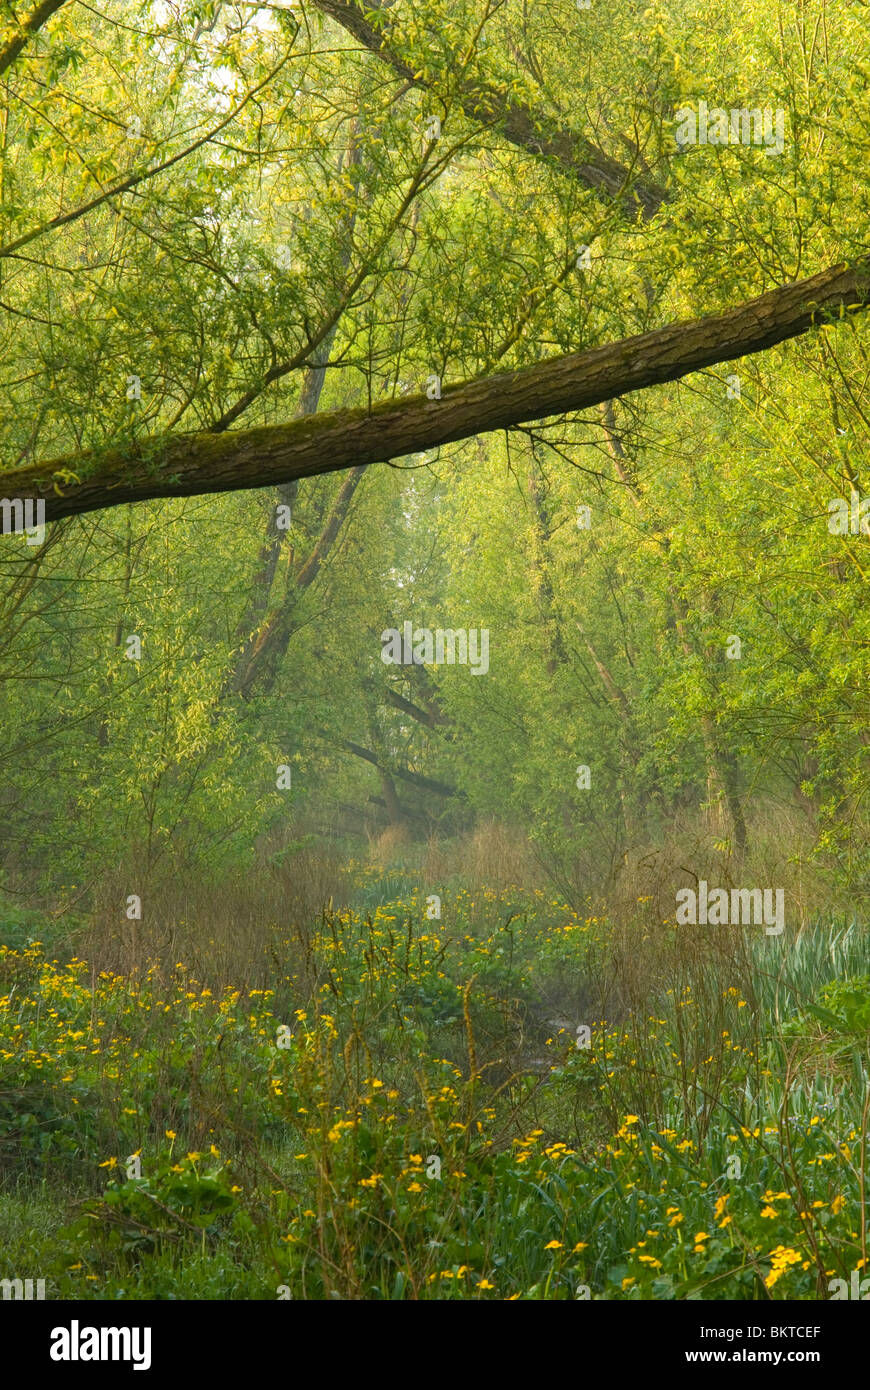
point(248, 929)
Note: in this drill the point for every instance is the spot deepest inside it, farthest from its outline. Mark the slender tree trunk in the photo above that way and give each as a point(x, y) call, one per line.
point(724, 810)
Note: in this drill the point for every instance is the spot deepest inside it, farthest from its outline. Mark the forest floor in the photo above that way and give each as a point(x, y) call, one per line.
point(511, 1100)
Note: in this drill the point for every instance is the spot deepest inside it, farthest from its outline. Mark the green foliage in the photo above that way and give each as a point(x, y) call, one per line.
point(408, 1140)
point(227, 216)
point(140, 1216)
point(845, 1006)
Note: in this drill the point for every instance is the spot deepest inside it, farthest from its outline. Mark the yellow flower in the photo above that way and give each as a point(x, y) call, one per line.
point(838, 1204)
point(554, 1245)
point(485, 1284)
point(581, 1245)
point(109, 1163)
point(414, 1187)
point(170, 1133)
point(769, 1212)
point(781, 1258)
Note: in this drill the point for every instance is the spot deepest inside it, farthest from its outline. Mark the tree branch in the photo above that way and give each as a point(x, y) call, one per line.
point(26, 29)
point(132, 181)
point(416, 779)
point(308, 572)
point(532, 130)
point(427, 717)
point(262, 653)
point(190, 465)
